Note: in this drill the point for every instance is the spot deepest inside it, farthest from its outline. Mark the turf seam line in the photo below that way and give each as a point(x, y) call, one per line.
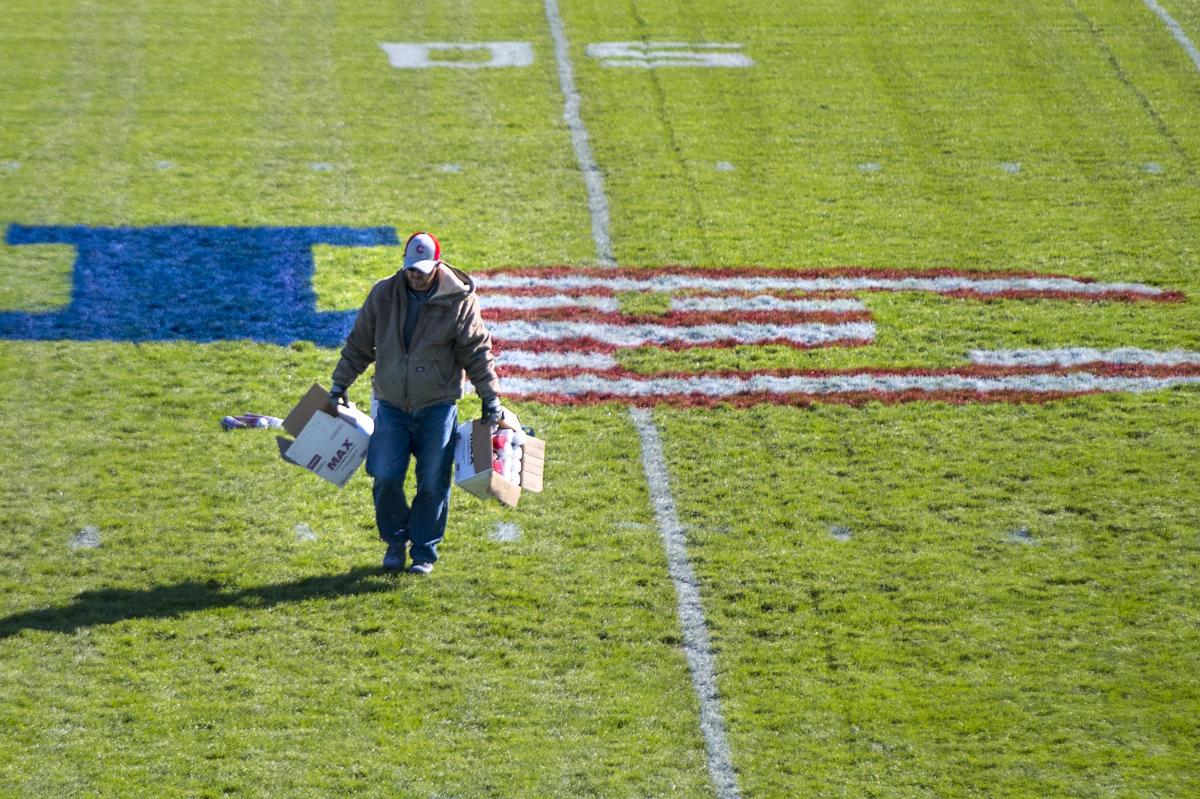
point(695, 195)
point(592, 178)
point(691, 610)
point(1176, 30)
point(1127, 82)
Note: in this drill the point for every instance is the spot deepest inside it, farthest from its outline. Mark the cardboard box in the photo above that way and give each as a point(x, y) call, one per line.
point(473, 465)
point(331, 447)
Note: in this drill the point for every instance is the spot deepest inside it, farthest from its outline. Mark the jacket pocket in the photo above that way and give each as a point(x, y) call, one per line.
point(391, 379)
point(424, 381)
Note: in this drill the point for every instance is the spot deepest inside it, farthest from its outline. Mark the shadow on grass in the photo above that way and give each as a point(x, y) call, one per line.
point(110, 605)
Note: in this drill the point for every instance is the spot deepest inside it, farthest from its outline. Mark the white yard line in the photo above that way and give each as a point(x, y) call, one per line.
point(597, 200)
point(1176, 30)
point(687, 591)
point(691, 609)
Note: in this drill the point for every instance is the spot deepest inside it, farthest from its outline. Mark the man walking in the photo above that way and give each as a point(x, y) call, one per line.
point(422, 329)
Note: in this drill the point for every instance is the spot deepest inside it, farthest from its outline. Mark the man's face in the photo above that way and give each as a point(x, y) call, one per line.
point(418, 281)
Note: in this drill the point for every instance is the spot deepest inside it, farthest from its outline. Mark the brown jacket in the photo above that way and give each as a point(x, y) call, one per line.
point(450, 337)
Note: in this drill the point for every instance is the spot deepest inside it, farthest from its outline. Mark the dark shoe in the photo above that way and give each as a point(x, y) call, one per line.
point(393, 559)
point(420, 568)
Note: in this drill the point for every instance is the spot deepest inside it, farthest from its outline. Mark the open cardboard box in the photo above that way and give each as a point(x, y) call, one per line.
point(331, 447)
point(473, 465)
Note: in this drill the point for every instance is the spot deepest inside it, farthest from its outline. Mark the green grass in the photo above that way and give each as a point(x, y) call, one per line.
point(939, 651)
point(205, 649)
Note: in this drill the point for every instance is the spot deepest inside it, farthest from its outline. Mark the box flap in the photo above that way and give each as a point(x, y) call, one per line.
point(504, 490)
point(283, 447)
point(356, 418)
point(531, 481)
point(535, 447)
point(317, 399)
point(533, 464)
point(481, 446)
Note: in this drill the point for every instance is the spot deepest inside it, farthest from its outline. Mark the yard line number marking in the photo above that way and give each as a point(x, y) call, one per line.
point(654, 55)
point(645, 55)
point(424, 55)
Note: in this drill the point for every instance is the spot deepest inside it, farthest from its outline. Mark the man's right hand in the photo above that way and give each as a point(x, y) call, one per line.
point(337, 396)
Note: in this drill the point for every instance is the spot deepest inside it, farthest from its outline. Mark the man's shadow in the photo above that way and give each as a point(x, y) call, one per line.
point(110, 605)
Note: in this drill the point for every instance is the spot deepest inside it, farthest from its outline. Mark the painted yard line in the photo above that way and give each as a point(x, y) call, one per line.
point(948, 284)
point(1176, 30)
point(691, 614)
point(637, 335)
point(592, 178)
point(595, 387)
point(691, 610)
point(1078, 356)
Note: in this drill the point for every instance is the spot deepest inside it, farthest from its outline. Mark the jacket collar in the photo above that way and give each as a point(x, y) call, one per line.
point(452, 285)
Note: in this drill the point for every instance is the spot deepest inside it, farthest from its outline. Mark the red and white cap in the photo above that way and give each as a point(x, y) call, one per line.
point(422, 252)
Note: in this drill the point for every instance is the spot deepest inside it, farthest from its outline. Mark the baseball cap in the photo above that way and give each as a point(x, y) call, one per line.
point(422, 252)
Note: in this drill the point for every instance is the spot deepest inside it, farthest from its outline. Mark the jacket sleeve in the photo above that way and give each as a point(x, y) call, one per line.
point(359, 351)
point(473, 350)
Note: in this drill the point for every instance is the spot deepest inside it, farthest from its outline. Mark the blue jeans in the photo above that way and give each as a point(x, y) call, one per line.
point(428, 435)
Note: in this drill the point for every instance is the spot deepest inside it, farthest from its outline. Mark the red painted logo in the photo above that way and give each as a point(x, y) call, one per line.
point(559, 334)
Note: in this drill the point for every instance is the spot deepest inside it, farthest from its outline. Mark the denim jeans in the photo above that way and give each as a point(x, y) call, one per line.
point(428, 435)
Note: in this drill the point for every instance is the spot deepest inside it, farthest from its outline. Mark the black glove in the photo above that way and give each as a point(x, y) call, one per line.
point(492, 412)
point(337, 395)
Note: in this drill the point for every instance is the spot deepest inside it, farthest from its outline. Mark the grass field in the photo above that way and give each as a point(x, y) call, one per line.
point(904, 600)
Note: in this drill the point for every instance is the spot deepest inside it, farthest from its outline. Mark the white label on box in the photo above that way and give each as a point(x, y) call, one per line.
point(464, 465)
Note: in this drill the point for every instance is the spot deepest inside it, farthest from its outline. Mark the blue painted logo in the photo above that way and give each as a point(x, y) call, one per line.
point(191, 283)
